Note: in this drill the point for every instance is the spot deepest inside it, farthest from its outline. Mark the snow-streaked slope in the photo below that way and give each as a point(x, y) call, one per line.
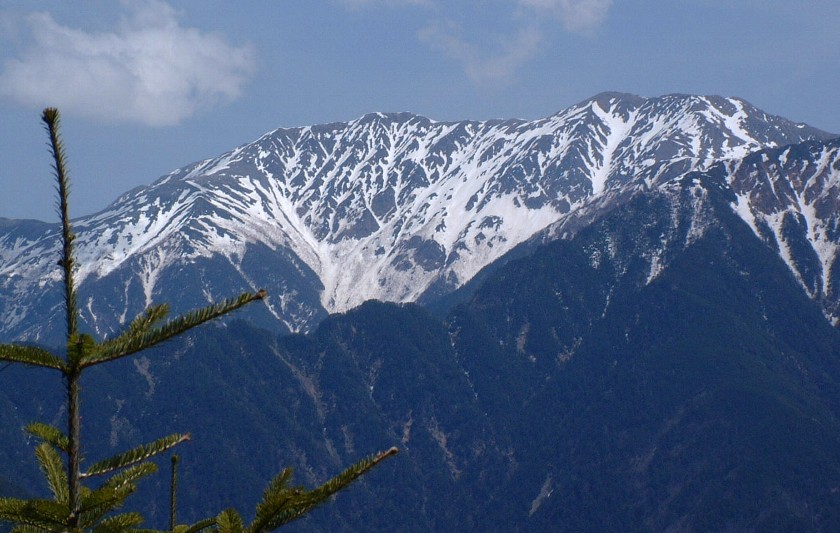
point(389, 206)
point(790, 196)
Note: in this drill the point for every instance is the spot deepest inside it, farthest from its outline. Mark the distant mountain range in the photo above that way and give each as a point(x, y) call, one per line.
point(400, 208)
point(623, 317)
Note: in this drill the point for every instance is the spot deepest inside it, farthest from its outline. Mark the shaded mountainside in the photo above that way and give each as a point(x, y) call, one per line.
point(254, 404)
point(662, 369)
point(702, 398)
point(394, 207)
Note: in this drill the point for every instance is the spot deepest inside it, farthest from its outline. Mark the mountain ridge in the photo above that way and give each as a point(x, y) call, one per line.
point(659, 368)
point(395, 207)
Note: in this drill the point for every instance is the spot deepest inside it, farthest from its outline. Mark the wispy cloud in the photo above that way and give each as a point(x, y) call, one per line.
point(480, 64)
point(581, 16)
point(497, 57)
point(151, 69)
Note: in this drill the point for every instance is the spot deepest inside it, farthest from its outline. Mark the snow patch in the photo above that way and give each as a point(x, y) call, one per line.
point(742, 208)
point(545, 492)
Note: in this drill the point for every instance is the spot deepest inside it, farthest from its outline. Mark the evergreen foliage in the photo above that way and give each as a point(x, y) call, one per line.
point(77, 505)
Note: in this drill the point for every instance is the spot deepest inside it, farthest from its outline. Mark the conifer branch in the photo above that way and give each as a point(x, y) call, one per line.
point(53, 469)
point(50, 434)
point(129, 475)
point(281, 504)
point(276, 499)
point(148, 318)
point(119, 523)
point(45, 514)
point(203, 525)
point(96, 504)
point(351, 474)
point(135, 455)
point(30, 355)
point(133, 341)
point(229, 521)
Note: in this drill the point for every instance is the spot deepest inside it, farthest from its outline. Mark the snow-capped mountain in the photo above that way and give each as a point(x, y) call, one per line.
point(398, 207)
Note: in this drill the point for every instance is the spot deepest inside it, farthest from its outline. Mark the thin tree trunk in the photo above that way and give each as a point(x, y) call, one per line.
point(73, 459)
point(173, 493)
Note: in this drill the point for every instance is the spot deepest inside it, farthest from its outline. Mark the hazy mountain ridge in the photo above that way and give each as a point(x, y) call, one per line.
point(390, 206)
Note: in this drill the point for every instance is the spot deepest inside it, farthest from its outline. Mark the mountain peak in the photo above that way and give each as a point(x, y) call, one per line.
point(608, 99)
point(391, 206)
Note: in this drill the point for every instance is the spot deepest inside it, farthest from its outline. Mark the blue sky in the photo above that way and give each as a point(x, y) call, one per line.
point(148, 86)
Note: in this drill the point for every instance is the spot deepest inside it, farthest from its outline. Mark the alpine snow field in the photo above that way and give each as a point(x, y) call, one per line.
point(621, 317)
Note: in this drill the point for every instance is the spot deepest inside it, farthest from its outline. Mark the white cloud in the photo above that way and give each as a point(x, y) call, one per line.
point(150, 69)
point(576, 15)
point(498, 64)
